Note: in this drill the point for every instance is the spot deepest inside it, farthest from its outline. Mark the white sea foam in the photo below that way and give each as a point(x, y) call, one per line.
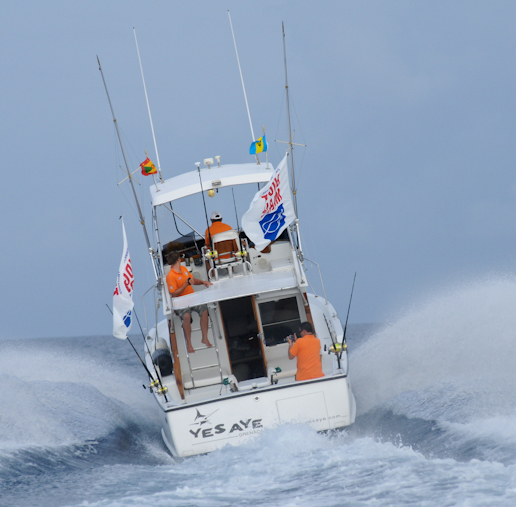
point(50, 397)
point(294, 466)
point(455, 352)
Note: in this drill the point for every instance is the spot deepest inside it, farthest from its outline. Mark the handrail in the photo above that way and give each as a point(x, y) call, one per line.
point(320, 276)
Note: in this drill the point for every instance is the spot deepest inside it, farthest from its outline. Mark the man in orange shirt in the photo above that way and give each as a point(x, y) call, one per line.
point(216, 226)
point(179, 283)
point(307, 348)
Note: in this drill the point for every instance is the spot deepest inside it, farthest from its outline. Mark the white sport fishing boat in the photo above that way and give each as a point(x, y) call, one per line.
point(245, 382)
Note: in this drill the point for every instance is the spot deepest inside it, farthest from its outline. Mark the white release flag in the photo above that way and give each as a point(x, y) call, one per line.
point(271, 210)
point(123, 295)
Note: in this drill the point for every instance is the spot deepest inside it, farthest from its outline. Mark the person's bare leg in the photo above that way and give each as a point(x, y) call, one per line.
point(204, 329)
point(187, 328)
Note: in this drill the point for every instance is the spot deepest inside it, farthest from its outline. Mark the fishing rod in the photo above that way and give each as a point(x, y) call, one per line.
point(163, 389)
point(343, 345)
point(238, 225)
point(154, 382)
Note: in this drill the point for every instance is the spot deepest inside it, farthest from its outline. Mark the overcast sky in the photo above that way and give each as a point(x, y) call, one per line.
point(407, 110)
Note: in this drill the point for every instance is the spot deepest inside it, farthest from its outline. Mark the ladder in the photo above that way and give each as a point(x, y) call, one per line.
point(214, 339)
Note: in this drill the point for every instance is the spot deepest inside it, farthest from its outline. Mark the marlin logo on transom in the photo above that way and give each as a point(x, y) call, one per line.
point(202, 419)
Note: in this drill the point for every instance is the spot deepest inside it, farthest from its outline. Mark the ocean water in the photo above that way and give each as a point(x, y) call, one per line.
point(436, 425)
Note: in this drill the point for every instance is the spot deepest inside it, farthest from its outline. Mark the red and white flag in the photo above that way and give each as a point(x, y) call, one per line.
point(271, 211)
point(123, 295)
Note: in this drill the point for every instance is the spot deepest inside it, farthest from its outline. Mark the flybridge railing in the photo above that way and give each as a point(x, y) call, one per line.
point(320, 277)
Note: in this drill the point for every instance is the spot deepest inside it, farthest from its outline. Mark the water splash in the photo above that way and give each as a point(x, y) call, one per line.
point(53, 397)
point(450, 357)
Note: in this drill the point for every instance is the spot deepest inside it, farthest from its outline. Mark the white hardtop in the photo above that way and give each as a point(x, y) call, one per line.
point(217, 177)
point(237, 287)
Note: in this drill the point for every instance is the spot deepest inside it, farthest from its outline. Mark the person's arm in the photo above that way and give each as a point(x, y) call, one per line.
point(195, 281)
point(176, 293)
point(290, 346)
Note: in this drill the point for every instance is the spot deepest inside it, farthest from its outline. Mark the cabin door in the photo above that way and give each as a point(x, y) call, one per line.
point(244, 343)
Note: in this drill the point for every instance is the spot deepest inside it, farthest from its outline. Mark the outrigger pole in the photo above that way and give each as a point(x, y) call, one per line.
point(291, 144)
point(130, 177)
point(294, 191)
point(148, 109)
point(243, 85)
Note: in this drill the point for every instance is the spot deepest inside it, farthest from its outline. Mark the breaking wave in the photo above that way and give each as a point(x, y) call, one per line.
point(441, 378)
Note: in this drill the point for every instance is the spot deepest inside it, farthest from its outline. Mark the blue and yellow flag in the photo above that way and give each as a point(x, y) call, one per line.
point(258, 146)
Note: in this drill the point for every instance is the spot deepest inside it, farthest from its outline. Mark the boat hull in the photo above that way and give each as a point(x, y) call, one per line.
point(323, 404)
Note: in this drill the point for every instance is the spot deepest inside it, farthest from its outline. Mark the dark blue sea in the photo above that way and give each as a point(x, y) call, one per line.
point(436, 426)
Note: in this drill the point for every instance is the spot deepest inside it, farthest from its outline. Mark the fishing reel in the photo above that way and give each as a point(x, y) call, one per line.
point(162, 390)
point(242, 254)
point(155, 387)
point(212, 254)
point(337, 348)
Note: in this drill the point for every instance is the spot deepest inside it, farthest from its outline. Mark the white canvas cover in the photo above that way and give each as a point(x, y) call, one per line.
point(271, 210)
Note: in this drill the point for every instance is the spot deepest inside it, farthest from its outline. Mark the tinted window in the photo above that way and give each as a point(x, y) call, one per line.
point(279, 319)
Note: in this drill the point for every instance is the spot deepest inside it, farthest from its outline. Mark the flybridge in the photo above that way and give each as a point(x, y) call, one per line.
point(218, 177)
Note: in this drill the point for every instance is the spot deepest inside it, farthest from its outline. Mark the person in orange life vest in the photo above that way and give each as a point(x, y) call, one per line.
point(179, 283)
point(216, 226)
point(307, 348)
